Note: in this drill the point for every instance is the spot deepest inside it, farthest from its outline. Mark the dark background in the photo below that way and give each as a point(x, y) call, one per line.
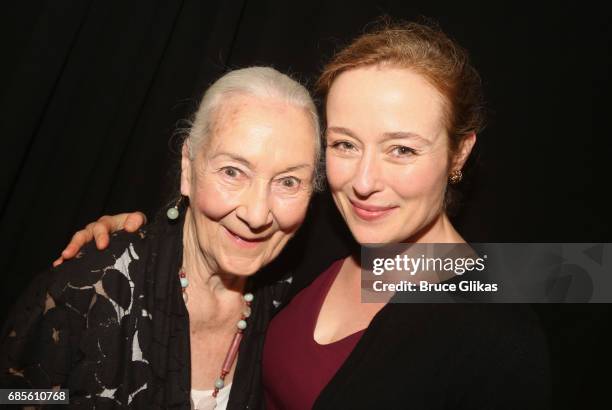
point(92, 91)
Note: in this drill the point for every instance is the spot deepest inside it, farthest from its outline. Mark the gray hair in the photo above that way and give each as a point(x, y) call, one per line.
point(261, 82)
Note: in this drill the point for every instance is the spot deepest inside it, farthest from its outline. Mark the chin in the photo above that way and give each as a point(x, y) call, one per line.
point(382, 234)
point(375, 236)
point(240, 266)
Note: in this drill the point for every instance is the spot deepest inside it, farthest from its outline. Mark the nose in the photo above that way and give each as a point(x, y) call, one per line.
point(254, 209)
point(367, 179)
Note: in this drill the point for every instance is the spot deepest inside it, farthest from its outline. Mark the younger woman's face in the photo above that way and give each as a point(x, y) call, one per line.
point(387, 153)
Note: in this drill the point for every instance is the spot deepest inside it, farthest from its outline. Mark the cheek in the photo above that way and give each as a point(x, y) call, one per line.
point(421, 180)
point(212, 199)
point(290, 212)
point(340, 171)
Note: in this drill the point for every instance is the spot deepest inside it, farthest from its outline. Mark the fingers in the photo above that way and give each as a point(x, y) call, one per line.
point(100, 231)
point(134, 221)
point(78, 240)
point(112, 223)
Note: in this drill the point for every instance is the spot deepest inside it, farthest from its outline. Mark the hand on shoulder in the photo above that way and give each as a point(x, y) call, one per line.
point(100, 231)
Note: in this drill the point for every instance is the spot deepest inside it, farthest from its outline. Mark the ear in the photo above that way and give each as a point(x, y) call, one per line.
point(185, 171)
point(465, 148)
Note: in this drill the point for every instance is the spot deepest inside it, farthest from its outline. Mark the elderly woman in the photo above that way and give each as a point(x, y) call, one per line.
point(156, 320)
point(403, 107)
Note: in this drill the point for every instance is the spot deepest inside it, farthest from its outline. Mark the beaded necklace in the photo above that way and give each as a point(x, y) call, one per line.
point(232, 352)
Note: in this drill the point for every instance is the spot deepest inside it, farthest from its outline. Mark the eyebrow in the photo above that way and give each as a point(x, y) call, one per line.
point(386, 136)
point(404, 135)
point(247, 163)
point(342, 130)
point(295, 168)
point(236, 158)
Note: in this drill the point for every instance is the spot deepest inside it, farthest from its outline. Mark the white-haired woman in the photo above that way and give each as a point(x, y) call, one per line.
point(158, 319)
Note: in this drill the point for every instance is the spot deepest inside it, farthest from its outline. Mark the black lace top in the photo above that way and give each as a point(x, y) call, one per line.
point(111, 326)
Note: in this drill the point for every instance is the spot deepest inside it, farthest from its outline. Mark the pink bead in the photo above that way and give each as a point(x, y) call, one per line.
point(231, 353)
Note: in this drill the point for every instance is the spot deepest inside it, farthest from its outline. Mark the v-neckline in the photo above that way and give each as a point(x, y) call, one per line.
point(321, 301)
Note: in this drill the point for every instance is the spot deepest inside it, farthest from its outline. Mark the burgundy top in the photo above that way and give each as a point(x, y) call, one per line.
point(295, 367)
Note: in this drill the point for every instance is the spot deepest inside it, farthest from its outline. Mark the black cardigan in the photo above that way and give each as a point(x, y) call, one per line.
point(111, 326)
point(445, 356)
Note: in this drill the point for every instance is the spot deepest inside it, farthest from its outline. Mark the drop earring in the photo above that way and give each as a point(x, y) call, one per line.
point(173, 212)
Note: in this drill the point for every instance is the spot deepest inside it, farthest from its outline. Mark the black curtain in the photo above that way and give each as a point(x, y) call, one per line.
point(92, 93)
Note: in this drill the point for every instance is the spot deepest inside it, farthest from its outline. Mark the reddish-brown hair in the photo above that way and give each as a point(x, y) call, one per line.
point(427, 51)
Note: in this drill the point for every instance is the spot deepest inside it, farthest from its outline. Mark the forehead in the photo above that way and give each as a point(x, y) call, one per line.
point(268, 133)
point(376, 100)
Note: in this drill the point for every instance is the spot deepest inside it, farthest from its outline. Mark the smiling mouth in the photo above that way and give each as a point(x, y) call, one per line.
point(245, 242)
point(370, 212)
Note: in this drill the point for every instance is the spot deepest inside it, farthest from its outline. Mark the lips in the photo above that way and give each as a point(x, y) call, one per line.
point(369, 212)
point(244, 241)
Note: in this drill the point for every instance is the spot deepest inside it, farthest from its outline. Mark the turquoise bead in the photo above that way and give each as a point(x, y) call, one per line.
point(219, 383)
point(172, 213)
point(184, 282)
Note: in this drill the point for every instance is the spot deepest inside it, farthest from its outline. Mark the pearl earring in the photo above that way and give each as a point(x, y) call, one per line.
point(173, 212)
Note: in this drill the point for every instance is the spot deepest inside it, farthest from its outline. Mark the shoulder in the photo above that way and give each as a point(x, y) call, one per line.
point(490, 333)
point(500, 339)
point(121, 243)
point(81, 275)
point(511, 324)
point(75, 282)
point(491, 319)
point(492, 326)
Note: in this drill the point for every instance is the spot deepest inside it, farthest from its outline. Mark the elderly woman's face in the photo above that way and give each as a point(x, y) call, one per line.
point(249, 186)
point(387, 152)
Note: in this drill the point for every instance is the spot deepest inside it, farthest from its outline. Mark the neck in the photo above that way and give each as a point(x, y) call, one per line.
point(439, 230)
point(213, 293)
